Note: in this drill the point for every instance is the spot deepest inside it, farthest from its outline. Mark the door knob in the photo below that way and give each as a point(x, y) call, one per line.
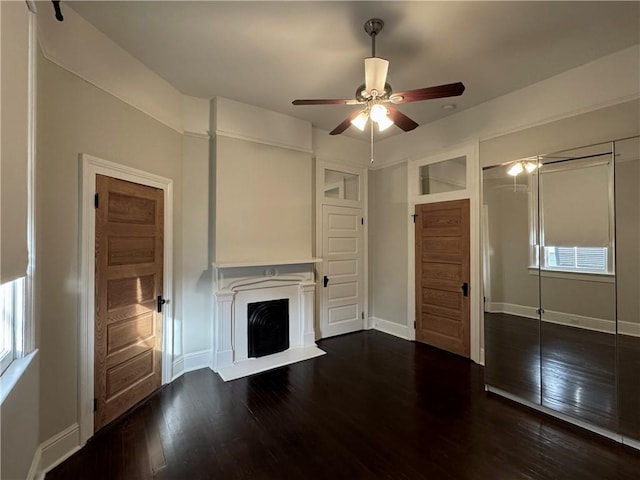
point(161, 302)
point(465, 289)
point(325, 281)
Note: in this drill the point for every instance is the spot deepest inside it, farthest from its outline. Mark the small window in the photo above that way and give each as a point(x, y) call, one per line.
point(12, 308)
point(341, 185)
point(446, 176)
point(577, 259)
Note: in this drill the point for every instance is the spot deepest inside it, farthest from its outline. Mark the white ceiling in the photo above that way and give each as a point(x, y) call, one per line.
point(270, 53)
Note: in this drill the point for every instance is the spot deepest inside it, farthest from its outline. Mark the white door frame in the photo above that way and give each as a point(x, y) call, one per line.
point(363, 203)
point(471, 192)
point(90, 167)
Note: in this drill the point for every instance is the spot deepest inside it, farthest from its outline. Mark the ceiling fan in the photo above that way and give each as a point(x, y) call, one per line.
point(377, 96)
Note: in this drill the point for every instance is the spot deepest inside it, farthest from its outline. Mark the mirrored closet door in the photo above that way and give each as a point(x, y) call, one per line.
point(561, 247)
point(627, 208)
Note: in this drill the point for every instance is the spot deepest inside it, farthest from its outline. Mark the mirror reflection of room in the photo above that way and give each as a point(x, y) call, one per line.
point(562, 283)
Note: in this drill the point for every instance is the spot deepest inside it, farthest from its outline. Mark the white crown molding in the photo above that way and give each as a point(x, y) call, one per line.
point(249, 138)
point(607, 81)
point(84, 51)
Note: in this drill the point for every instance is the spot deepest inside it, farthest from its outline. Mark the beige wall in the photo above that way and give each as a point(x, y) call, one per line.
point(263, 202)
point(197, 316)
point(388, 244)
point(76, 117)
point(19, 424)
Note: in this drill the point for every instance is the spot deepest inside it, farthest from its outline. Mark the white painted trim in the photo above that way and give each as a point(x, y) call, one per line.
point(178, 368)
point(197, 360)
point(90, 167)
point(392, 328)
point(34, 470)
point(203, 136)
point(587, 426)
point(513, 309)
point(559, 318)
point(249, 138)
point(482, 356)
point(628, 328)
point(631, 442)
point(57, 449)
point(363, 205)
point(470, 150)
point(579, 276)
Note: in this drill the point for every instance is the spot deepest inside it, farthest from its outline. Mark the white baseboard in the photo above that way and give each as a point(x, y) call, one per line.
point(35, 465)
point(551, 316)
point(56, 450)
point(629, 328)
point(391, 328)
point(178, 368)
point(513, 309)
point(197, 360)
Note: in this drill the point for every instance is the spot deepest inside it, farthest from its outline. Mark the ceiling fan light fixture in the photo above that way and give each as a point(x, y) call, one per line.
point(378, 112)
point(530, 166)
point(384, 123)
point(515, 169)
point(360, 121)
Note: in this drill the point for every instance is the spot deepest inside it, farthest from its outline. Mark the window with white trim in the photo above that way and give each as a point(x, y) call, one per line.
point(573, 206)
point(12, 309)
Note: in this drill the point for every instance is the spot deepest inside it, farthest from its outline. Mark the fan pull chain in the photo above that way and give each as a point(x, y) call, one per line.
point(371, 124)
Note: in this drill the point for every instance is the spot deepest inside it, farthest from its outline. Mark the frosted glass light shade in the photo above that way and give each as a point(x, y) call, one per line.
point(516, 169)
point(384, 123)
point(378, 112)
point(360, 121)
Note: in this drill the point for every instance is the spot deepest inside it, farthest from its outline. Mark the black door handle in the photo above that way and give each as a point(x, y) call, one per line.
point(325, 281)
point(161, 302)
point(465, 289)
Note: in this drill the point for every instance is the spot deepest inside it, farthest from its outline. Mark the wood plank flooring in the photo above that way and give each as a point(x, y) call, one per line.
point(374, 407)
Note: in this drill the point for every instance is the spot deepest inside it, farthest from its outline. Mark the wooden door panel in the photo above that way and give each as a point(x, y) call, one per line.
point(129, 275)
point(442, 267)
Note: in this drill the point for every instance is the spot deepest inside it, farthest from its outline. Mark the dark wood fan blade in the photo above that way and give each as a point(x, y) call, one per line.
point(326, 101)
point(401, 120)
point(345, 124)
point(428, 93)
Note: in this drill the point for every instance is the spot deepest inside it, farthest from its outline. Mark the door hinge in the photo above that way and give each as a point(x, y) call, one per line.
point(414, 217)
point(95, 200)
point(361, 220)
point(414, 325)
point(362, 315)
point(95, 404)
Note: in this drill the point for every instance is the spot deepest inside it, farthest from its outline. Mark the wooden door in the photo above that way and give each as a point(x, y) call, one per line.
point(129, 264)
point(342, 297)
point(442, 275)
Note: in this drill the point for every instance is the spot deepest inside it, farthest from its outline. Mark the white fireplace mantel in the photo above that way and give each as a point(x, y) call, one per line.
point(235, 284)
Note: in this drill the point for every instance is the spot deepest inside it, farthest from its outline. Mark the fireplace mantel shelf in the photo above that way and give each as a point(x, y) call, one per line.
point(266, 263)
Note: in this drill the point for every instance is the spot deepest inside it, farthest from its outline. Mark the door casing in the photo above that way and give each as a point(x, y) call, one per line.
point(362, 203)
point(471, 192)
point(90, 167)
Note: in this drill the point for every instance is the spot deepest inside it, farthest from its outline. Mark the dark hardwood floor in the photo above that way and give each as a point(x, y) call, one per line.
point(374, 407)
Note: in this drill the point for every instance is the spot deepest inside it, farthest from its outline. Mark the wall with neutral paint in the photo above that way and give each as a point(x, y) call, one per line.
point(76, 117)
point(578, 105)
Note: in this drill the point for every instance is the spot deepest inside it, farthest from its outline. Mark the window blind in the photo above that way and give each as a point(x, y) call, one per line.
point(575, 205)
point(14, 119)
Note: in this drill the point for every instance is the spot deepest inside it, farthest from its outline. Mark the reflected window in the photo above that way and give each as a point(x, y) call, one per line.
point(341, 185)
point(446, 176)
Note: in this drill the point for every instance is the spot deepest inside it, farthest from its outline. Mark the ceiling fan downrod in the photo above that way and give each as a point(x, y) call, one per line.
point(373, 27)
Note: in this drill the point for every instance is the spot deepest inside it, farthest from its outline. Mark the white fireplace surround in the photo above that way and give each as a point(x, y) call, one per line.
point(235, 285)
